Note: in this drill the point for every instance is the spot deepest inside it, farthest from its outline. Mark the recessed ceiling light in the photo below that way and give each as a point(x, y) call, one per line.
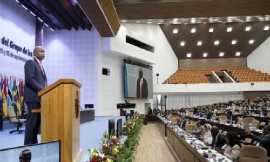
point(193, 30)
point(205, 54)
point(216, 42)
point(211, 30)
point(229, 29)
point(175, 21)
point(193, 20)
point(175, 31)
point(138, 21)
point(251, 41)
point(182, 43)
point(266, 28)
point(188, 54)
point(124, 20)
point(234, 41)
point(221, 54)
point(149, 22)
point(237, 53)
point(248, 28)
point(199, 43)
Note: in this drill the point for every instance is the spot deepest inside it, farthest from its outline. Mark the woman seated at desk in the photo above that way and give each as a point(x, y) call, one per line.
point(206, 136)
point(232, 147)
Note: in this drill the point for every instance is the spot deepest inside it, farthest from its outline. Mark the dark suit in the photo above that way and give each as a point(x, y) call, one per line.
point(264, 142)
point(182, 123)
point(35, 81)
point(144, 88)
point(218, 141)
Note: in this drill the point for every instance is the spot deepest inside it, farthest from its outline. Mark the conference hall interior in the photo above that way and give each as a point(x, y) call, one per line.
point(137, 80)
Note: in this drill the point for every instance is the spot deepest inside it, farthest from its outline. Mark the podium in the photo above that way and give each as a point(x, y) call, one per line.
point(60, 117)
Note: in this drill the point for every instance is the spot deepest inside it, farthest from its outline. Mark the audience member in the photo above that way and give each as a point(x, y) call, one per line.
point(150, 111)
point(218, 139)
point(200, 128)
point(182, 122)
point(232, 147)
point(206, 136)
point(230, 117)
point(264, 139)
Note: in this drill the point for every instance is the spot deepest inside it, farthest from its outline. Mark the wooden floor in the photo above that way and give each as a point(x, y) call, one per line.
point(152, 146)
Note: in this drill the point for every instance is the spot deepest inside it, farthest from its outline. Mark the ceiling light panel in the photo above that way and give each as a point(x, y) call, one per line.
point(175, 31)
point(199, 43)
point(216, 42)
point(251, 41)
point(234, 42)
point(221, 54)
point(248, 28)
point(266, 28)
point(237, 53)
point(182, 43)
point(193, 30)
point(189, 55)
point(229, 29)
point(211, 30)
point(205, 54)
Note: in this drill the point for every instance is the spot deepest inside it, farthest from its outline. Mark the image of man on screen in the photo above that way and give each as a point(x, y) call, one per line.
point(142, 88)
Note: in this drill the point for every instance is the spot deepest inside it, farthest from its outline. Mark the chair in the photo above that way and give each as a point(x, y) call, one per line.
point(247, 120)
point(250, 153)
point(189, 128)
point(255, 123)
point(222, 118)
point(14, 119)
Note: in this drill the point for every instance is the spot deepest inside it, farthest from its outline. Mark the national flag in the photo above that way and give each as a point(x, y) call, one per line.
point(1, 97)
point(9, 90)
point(4, 92)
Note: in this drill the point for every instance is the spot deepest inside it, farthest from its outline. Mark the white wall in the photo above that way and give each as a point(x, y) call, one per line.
point(190, 100)
point(165, 60)
point(259, 58)
point(74, 54)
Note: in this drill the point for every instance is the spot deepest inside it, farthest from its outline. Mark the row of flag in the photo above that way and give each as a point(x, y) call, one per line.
point(12, 94)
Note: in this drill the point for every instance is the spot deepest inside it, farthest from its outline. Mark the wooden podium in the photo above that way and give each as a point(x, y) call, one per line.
point(60, 117)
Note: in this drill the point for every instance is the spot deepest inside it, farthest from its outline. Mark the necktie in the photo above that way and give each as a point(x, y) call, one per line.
point(41, 66)
point(43, 72)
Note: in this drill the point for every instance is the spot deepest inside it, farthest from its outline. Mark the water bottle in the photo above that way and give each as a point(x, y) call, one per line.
point(209, 153)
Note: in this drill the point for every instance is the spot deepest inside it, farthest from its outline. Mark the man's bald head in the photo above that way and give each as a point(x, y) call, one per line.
point(39, 52)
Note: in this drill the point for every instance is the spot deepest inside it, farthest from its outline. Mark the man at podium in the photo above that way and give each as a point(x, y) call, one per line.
point(35, 81)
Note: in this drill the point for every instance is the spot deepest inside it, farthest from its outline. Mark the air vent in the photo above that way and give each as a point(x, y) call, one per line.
point(139, 44)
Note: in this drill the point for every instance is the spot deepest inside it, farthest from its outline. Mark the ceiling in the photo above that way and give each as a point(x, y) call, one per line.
point(183, 15)
point(57, 14)
point(203, 15)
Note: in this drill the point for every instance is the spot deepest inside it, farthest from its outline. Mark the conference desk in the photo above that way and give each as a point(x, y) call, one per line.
point(184, 147)
point(226, 127)
point(87, 115)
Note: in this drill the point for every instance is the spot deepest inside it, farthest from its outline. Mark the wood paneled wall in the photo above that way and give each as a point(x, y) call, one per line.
point(198, 63)
point(256, 94)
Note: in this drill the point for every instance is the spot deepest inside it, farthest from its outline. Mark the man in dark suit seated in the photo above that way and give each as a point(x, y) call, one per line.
point(182, 123)
point(218, 139)
point(230, 117)
point(264, 139)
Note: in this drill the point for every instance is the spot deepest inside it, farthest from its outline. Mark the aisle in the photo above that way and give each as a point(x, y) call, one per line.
point(152, 146)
